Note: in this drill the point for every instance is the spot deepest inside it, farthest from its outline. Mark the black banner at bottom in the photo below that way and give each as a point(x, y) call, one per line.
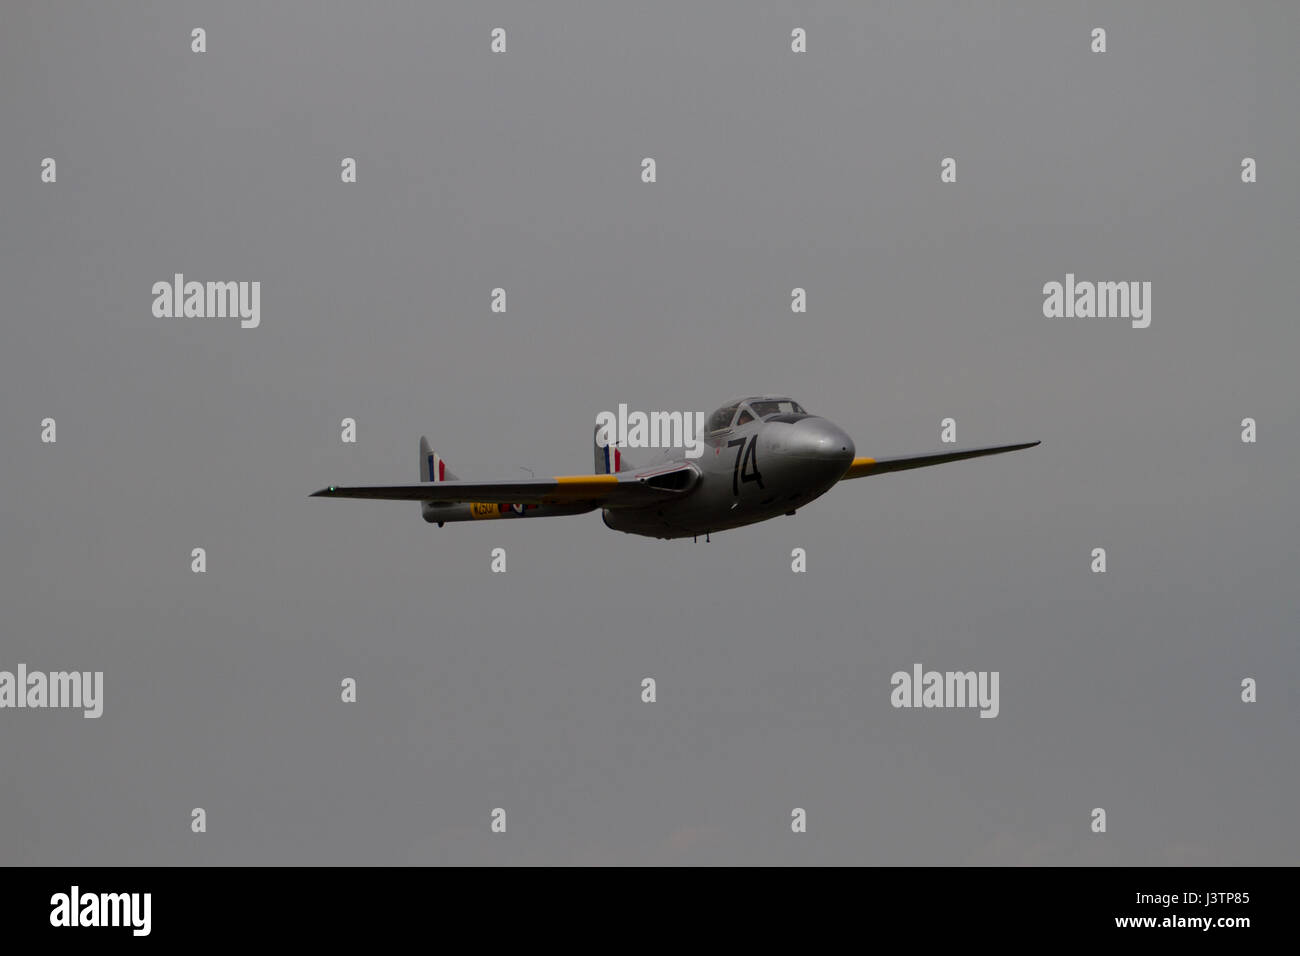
point(1176, 905)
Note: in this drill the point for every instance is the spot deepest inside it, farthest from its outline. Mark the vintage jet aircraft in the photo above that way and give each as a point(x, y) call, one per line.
point(762, 457)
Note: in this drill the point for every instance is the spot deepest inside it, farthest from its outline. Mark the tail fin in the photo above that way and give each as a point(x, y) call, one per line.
point(608, 457)
point(432, 467)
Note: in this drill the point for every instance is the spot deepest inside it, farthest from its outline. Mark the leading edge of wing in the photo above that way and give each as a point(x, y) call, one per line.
point(863, 467)
point(605, 489)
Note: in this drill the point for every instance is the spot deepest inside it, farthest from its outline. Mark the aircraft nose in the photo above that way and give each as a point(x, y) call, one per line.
point(821, 440)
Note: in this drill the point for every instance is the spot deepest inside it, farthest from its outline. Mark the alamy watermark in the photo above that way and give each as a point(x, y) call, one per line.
point(82, 690)
point(655, 430)
point(946, 689)
point(1102, 300)
point(208, 300)
point(76, 908)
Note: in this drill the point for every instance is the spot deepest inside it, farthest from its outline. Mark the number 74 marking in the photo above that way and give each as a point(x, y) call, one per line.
point(746, 467)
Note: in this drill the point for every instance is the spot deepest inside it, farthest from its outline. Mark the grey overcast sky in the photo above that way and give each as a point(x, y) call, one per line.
point(522, 690)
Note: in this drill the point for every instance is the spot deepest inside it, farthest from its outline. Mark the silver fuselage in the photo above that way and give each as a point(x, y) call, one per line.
point(748, 473)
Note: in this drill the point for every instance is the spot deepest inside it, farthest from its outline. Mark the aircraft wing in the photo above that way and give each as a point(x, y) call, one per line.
point(611, 491)
point(862, 467)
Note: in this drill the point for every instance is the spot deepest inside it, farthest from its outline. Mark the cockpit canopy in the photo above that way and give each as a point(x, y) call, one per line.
point(746, 410)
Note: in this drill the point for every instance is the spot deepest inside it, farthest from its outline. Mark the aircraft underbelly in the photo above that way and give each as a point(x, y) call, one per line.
point(717, 509)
